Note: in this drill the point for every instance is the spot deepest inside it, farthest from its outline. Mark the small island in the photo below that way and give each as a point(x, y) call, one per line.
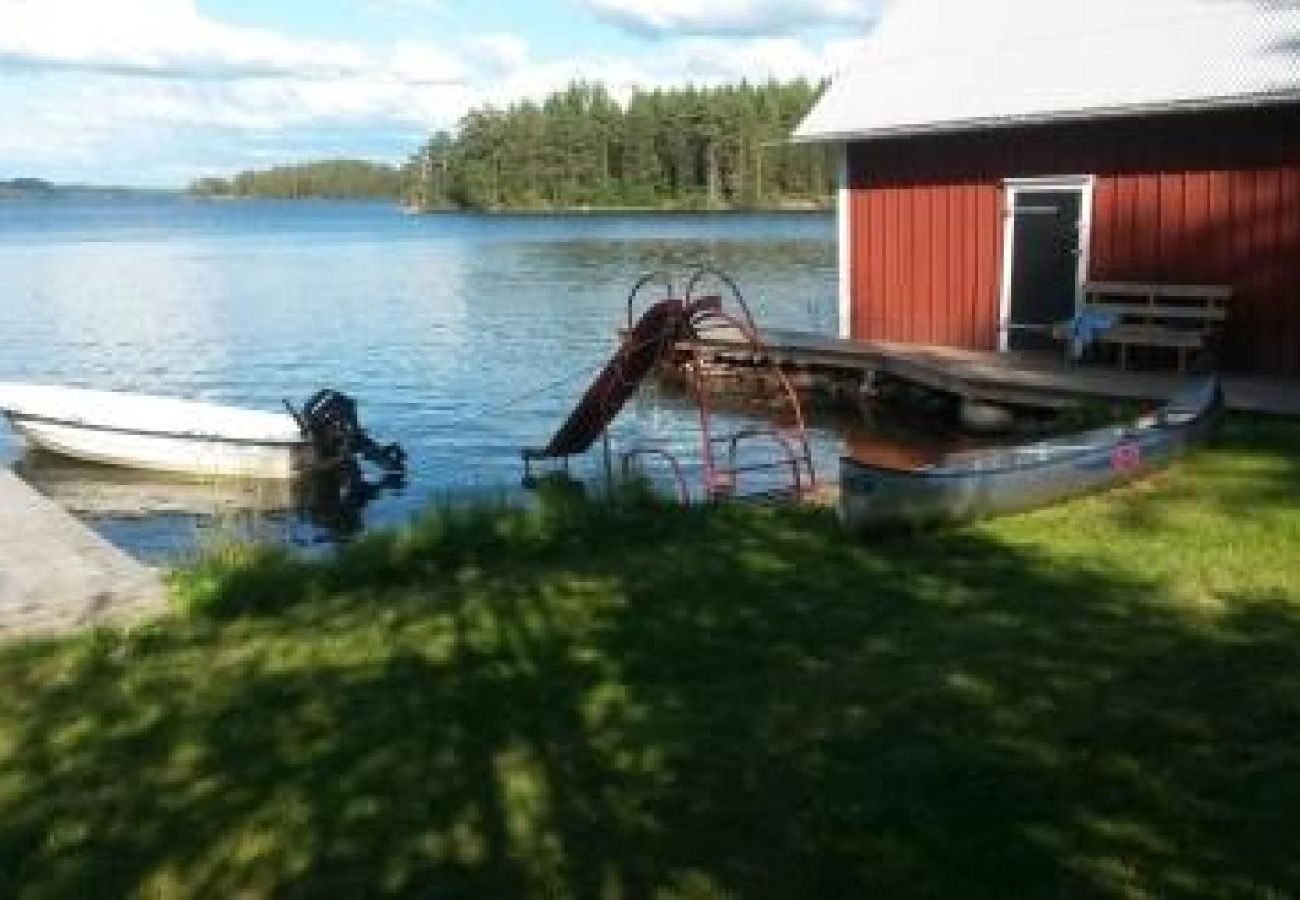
point(24, 187)
point(334, 179)
point(28, 188)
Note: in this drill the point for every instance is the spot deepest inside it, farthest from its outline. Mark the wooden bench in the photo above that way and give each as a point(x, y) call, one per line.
point(1185, 318)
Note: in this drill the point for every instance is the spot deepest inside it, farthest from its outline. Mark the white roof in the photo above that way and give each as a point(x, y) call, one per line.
point(953, 65)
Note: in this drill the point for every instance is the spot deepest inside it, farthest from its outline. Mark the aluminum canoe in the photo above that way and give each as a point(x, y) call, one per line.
point(1029, 476)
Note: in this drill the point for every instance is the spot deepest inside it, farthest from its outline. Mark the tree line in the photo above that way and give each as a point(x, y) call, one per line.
point(680, 148)
point(687, 147)
point(339, 179)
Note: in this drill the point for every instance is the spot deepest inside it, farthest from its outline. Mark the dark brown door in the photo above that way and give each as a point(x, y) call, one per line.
point(1044, 265)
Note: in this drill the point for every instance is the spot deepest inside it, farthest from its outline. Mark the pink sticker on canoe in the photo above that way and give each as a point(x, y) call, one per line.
point(1126, 457)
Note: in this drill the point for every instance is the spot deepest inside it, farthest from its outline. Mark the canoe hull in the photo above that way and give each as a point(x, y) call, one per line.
point(875, 499)
point(177, 454)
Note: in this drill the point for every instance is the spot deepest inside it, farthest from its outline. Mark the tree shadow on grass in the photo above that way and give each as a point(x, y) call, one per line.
point(660, 703)
point(1250, 469)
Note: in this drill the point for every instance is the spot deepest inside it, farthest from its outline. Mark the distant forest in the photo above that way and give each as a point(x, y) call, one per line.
point(683, 148)
point(338, 179)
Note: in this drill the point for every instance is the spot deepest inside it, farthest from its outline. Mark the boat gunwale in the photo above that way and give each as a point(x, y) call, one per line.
point(278, 443)
point(1128, 434)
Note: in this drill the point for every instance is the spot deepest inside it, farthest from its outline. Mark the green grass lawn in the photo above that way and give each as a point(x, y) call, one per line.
point(1099, 700)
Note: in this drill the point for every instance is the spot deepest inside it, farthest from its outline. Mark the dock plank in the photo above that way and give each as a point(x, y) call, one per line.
point(1012, 378)
point(58, 576)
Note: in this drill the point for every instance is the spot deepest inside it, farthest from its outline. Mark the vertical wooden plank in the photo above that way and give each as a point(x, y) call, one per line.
point(862, 214)
point(940, 313)
point(1170, 257)
point(1124, 245)
point(1241, 187)
point(960, 277)
point(864, 232)
point(970, 250)
point(922, 299)
point(996, 201)
point(1223, 252)
point(887, 290)
point(1006, 163)
point(988, 244)
point(1288, 261)
point(1103, 227)
point(918, 259)
point(1197, 255)
point(946, 315)
point(865, 210)
point(884, 285)
point(1197, 260)
point(950, 263)
point(956, 302)
point(1146, 227)
point(1200, 205)
point(1266, 208)
point(1219, 226)
point(981, 233)
point(1099, 162)
point(865, 312)
point(1288, 253)
point(862, 235)
point(900, 327)
point(877, 286)
point(869, 298)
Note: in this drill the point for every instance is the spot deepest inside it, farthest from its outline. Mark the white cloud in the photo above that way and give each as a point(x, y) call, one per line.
point(782, 58)
point(186, 69)
point(422, 63)
point(668, 18)
point(136, 91)
point(500, 50)
point(161, 38)
point(407, 6)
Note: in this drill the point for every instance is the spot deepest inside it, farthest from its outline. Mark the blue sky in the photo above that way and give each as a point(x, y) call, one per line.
point(157, 92)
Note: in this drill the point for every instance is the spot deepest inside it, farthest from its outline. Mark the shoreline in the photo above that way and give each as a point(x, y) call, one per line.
point(793, 209)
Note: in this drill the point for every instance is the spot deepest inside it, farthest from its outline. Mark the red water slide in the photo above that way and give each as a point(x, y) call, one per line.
point(653, 337)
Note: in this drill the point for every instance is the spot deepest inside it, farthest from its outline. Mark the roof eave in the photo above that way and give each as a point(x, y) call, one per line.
point(923, 129)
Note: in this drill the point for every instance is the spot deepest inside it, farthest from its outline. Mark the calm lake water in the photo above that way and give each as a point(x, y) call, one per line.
point(446, 328)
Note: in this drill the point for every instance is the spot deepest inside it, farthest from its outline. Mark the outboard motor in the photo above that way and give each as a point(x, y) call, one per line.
point(328, 420)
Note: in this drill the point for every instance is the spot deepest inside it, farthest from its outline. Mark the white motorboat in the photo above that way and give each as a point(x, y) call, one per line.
point(157, 433)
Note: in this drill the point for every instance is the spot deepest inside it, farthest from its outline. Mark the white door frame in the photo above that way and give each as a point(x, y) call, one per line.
point(1011, 188)
point(844, 231)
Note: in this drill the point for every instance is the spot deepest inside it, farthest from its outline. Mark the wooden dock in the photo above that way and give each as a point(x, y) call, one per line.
point(58, 576)
point(1019, 379)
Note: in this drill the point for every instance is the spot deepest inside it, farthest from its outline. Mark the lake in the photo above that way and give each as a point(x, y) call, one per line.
point(464, 337)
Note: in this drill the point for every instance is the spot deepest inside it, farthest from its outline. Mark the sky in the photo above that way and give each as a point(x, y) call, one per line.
point(158, 92)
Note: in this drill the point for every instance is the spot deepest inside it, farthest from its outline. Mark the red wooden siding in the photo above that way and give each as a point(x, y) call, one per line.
point(1205, 199)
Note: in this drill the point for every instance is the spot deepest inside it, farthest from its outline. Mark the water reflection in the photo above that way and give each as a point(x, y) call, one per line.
point(320, 508)
point(444, 327)
point(94, 490)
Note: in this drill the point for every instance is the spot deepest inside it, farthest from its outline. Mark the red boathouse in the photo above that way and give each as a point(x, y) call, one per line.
point(999, 155)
